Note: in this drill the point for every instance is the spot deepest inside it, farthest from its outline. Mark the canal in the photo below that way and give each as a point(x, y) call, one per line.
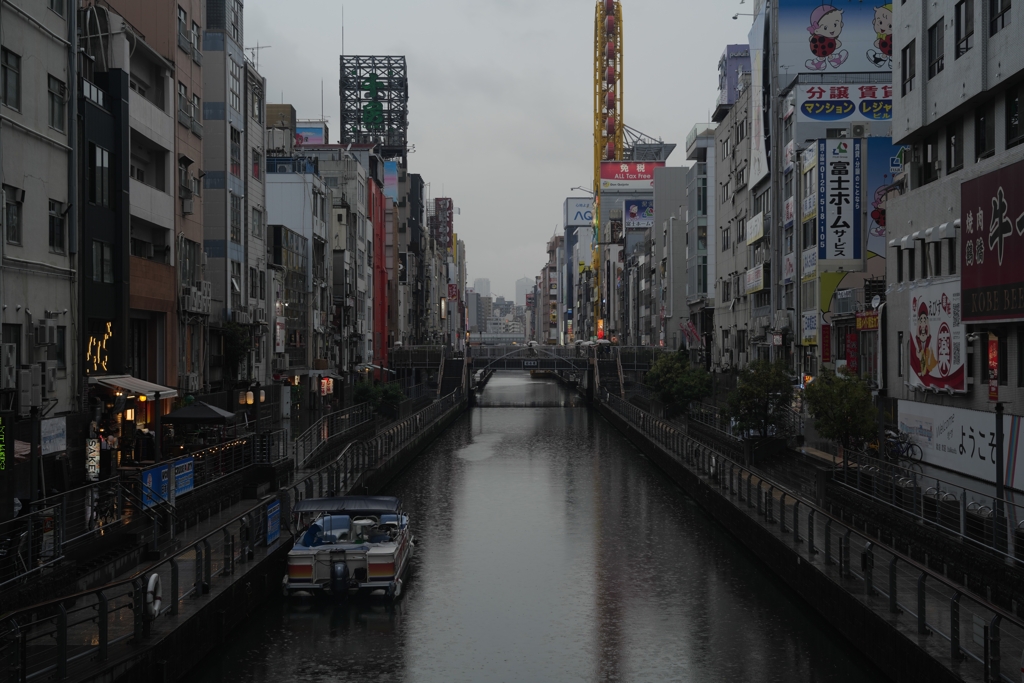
point(549, 550)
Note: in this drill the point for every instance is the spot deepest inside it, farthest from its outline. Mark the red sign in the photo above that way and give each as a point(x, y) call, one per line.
point(453, 292)
point(628, 175)
point(852, 353)
point(992, 235)
point(867, 321)
point(826, 343)
point(993, 368)
point(444, 210)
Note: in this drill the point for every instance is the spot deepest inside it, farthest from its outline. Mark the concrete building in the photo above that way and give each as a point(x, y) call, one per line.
point(523, 286)
point(669, 238)
point(702, 197)
point(482, 286)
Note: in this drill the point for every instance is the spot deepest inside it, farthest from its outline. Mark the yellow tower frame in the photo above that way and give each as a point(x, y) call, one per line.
point(601, 114)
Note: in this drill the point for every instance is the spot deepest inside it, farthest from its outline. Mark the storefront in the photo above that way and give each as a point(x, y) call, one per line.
point(125, 427)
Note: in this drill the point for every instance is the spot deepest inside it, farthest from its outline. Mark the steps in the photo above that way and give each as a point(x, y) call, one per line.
point(452, 376)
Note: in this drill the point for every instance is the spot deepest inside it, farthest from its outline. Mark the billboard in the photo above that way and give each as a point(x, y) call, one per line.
point(391, 180)
point(444, 212)
point(884, 163)
point(311, 134)
point(758, 164)
point(992, 238)
point(755, 228)
point(839, 205)
point(625, 176)
point(453, 292)
point(638, 213)
point(184, 476)
point(937, 337)
point(788, 268)
point(964, 440)
point(809, 336)
point(820, 38)
point(843, 103)
point(53, 435)
point(403, 267)
point(375, 101)
point(809, 270)
point(755, 279)
point(154, 485)
point(579, 212)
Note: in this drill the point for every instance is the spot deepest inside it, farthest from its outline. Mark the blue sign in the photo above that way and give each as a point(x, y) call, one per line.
point(273, 521)
point(154, 485)
point(184, 476)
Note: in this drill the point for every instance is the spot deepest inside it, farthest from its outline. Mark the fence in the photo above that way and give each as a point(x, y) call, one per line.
point(981, 637)
point(312, 441)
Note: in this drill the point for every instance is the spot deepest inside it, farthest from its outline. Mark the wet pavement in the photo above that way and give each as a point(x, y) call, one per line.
point(549, 550)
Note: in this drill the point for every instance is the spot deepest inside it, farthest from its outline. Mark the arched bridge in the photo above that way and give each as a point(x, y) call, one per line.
point(564, 358)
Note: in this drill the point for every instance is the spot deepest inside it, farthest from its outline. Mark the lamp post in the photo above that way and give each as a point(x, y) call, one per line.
point(255, 395)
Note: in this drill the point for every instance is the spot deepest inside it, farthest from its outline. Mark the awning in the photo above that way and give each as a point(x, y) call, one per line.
point(134, 386)
point(200, 413)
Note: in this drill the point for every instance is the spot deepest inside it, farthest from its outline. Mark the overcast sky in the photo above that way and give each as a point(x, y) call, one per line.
point(500, 103)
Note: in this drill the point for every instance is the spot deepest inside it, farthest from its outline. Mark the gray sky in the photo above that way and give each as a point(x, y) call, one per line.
point(500, 103)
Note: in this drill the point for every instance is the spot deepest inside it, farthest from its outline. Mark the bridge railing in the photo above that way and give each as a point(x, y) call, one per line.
point(314, 440)
point(918, 601)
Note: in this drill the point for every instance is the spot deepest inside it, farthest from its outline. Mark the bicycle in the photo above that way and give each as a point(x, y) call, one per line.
point(901, 447)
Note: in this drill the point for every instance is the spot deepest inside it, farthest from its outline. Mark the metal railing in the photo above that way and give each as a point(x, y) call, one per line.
point(31, 543)
point(914, 599)
point(311, 442)
point(109, 622)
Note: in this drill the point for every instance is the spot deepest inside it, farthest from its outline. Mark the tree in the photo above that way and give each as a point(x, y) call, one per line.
point(237, 345)
point(676, 381)
point(762, 398)
point(383, 398)
point(841, 407)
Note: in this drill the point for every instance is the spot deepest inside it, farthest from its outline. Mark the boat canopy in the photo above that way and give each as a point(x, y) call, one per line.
point(352, 505)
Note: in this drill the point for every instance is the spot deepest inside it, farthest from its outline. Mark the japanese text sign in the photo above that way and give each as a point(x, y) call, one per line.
point(847, 103)
point(628, 175)
point(839, 200)
point(937, 337)
point(992, 245)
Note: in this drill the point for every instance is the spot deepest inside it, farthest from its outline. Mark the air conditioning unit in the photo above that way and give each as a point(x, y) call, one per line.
point(280, 363)
point(46, 332)
point(205, 287)
point(30, 390)
point(859, 130)
point(261, 315)
point(241, 317)
point(187, 206)
point(9, 366)
point(192, 382)
point(50, 378)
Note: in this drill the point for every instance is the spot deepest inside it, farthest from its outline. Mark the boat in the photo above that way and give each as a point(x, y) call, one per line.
point(349, 545)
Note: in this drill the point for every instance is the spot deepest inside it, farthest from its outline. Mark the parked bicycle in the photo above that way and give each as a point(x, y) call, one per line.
point(901, 447)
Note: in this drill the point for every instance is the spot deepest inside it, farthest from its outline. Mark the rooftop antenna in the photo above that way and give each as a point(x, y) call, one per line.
point(256, 52)
point(342, 30)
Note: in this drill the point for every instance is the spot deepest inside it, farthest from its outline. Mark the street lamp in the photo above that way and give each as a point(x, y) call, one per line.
point(582, 189)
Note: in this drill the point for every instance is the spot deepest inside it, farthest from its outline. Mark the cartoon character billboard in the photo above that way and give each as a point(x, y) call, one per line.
point(937, 337)
point(639, 213)
point(818, 37)
point(885, 162)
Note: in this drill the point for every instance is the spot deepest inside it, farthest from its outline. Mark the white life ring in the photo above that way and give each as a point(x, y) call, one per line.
point(154, 596)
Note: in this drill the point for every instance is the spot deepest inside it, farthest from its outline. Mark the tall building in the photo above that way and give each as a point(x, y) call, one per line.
point(482, 286)
point(523, 285)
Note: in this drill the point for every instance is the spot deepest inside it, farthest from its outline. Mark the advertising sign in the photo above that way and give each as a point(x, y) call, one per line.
point(184, 476)
point(279, 335)
point(809, 207)
point(992, 235)
point(821, 38)
point(867, 321)
point(453, 292)
point(826, 343)
point(92, 459)
point(579, 212)
point(809, 337)
point(884, 163)
point(937, 337)
point(758, 165)
point(755, 228)
point(755, 279)
point(789, 211)
point(310, 134)
point(789, 156)
point(845, 103)
point(993, 368)
point(839, 181)
point(963, 440)
point(810, 263)
point(391, 180)
point(273, 521)
point(155, 485)
point(444, 210)
point(788, 268)
point(620, 176)
point(403, 267)
point(638, 213)
point(53, 435)
point(853, 352)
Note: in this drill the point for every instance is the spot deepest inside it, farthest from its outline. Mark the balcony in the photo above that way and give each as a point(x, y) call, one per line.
point(150, 120)
point(197, 56)
point(184, 43)
point(184, 118)
point(197, 128)
point(150, 204)
point(701, 135)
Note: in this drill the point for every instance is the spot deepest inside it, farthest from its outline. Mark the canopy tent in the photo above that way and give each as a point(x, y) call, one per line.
point(200, 413)
point(133, 385)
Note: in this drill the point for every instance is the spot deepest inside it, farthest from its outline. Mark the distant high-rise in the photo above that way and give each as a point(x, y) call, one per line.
point(523, 285)
point(482, 286)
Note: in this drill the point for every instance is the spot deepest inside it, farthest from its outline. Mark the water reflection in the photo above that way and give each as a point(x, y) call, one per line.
point(549, 550)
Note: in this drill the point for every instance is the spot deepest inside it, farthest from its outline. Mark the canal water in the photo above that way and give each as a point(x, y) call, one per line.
point(548, 550)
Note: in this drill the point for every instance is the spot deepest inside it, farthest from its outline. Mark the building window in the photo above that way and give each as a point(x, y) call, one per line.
point(236, 153)
point(196, 106)
point(908, 67)
point(955, 146)
point(182, 98)
point(56, 227)
point(810, 234)
point(899, 264)
point(99, 175)
point(253, 291)
point(257, 223)
point(910, 265)
point(13, 214)
point(236, 87)
point(102, 262)
point(964, 27)
point(236, 285)
point(236, 219)
point(954, 256)
point(57, 6)
point(197, 32)
point(1000, 13)
point(984, 130)
point(257, 105)
point(263, 284)
point(182, 22)
point(10, 79)
point(899, 354)
point(936, 47)
point(236, 21)
point(725, 239)
point(1004, 360)
point(929, 160)
point(56, 94)
point(257, 162)
point(1013, 128)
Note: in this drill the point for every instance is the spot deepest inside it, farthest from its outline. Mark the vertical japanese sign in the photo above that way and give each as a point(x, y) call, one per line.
point(937, 337)
point(853, 353)
point(839, 200)
point(788, 268)
point(810, 328)
point(993, 367)
point(992, 238)
point(444, 209)
point(826, 343)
